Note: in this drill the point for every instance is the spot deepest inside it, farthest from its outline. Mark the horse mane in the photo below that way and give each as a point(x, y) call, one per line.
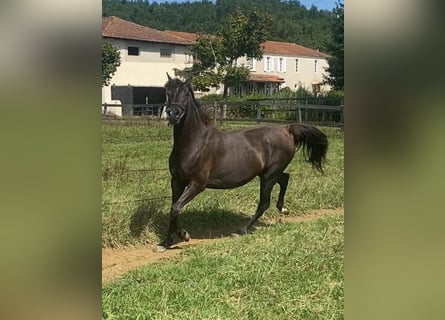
point(204, 116)
point(173, 83)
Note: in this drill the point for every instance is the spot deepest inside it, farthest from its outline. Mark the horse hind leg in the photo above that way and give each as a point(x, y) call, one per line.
point(266, 187)
point(283, 181)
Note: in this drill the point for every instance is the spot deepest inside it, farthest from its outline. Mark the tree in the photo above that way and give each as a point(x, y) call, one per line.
point(110, 61)
point(217, 55)
point(335, 70)
point(291, 20)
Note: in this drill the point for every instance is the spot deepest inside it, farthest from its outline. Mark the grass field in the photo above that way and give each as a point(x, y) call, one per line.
point(136, 187)
point(286, 271)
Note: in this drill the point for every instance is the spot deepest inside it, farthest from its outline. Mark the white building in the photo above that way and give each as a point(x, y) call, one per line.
point(286, 65)
point(147, 54)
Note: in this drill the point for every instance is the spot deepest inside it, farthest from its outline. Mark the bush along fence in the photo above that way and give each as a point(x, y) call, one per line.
point(316, 111)
point(278, 110)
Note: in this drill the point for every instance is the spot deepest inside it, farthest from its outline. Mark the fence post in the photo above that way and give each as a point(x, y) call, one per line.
point(273, 110)
point(214, 112)
point(221, 114)
point(104, 114)
point(258, 113)
point(342, 119)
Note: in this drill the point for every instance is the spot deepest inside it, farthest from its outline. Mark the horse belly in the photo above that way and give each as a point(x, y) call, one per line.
point(238, 164)
point(234, 175)
point(228, 181)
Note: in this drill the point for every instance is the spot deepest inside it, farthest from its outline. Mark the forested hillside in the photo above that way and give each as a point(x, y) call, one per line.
point(291, 21)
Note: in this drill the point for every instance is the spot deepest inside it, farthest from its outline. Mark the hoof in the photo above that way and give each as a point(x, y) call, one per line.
point(284, 211)
point(159, 249)
point(239, 232)
point(185, 236)
point(167, 243)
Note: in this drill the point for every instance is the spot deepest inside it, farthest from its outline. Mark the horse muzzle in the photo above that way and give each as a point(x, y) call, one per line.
point(174, 115)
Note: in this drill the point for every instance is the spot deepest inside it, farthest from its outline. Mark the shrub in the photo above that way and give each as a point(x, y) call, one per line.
point(335, 97)
point(211, 97)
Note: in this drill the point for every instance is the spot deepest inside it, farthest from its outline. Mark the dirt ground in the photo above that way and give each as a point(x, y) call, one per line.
point(116, 262)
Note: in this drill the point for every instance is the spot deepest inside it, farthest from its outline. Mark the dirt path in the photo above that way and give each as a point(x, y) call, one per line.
point(116, 262)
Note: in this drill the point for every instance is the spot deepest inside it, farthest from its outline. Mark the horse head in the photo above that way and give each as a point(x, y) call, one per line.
point(178, 99)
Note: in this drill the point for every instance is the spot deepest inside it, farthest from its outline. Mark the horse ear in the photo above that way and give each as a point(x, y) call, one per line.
point(168, 76)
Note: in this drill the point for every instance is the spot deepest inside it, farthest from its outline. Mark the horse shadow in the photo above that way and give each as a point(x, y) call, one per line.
point(148, 215)
point(209, 223)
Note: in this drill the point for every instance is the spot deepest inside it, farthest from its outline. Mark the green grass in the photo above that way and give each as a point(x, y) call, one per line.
point(131, 146)
point(286, 271)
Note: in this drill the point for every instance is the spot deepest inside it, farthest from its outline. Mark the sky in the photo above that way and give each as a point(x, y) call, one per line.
point(320, 4)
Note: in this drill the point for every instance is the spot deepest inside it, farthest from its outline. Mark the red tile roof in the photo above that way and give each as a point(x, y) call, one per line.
point(114, 27)
point(286, 48)
point(265, 78)
point(184, 35)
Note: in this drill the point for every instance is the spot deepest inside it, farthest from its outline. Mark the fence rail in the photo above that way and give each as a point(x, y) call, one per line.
point(276, 111)
point(264, 110)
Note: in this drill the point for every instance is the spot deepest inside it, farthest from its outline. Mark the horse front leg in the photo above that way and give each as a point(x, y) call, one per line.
point(177, 189)
point(187, 194)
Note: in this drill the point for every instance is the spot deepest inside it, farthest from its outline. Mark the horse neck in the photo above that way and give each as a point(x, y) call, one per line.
point(190, 128)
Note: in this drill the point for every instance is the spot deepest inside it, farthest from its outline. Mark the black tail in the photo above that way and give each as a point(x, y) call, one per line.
point(313, 141)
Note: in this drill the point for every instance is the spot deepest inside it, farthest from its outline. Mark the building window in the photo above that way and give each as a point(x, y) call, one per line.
point(268, 64)
point(316, 88)
point(315, 66)
point(133, 51)
point(251, 64)
point(188, 58)
point(166, 53)
point(281, 64)
point(296, 65)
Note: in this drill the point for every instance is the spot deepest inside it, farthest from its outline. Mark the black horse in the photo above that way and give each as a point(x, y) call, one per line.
point(206, 157)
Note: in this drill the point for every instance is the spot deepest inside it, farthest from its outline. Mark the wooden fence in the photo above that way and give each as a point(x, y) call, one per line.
point(259, 111)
